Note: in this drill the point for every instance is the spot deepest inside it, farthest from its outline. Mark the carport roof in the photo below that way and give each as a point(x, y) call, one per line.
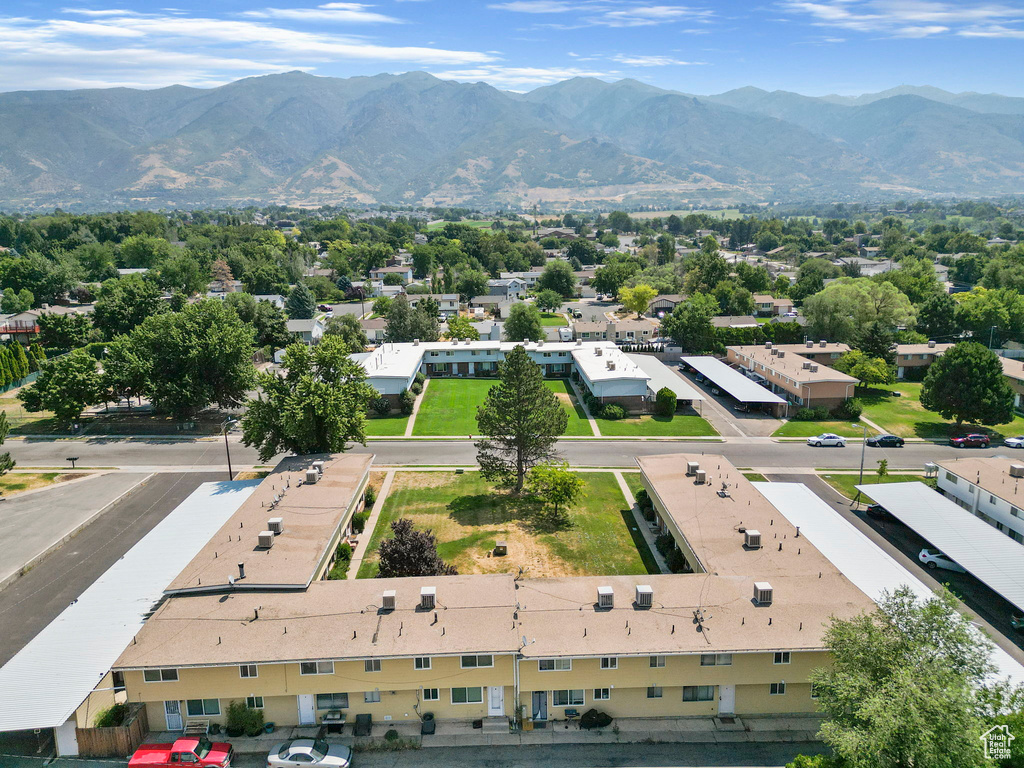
point(663, 376)
point(732, 381)
point(988, 554)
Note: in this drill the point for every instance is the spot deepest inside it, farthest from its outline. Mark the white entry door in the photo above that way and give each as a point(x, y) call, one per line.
point(307, 709)
point(495, 701)
point(172, 713)
point(726, 699)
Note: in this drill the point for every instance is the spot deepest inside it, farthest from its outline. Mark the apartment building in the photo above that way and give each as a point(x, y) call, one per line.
point(739, 635)
point(989, 488)
point(615, 330)
point(821, 352)
point(1013, 372)
point(794, 376)
point(916, 356)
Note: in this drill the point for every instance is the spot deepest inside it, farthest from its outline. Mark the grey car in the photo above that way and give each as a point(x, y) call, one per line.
point(309, 753)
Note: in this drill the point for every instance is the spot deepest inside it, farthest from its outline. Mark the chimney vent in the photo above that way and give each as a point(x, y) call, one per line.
point(387, 601)
point(752, 539)
point(767, 345)
point(598, 351)
point(810, 343)
point(266, 539)
point(428, 598)
point(275, 525)
point(644, 596)
point(762, 593)
point(241, 570)
point(415, 342)
point(605, 597)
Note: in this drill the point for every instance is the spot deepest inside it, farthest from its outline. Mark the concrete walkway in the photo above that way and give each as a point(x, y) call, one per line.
point(586, 411)
point(371, 523)
point(416, 409)
point(645, 527)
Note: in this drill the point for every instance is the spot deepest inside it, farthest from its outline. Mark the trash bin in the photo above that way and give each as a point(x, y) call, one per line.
point(427, 726)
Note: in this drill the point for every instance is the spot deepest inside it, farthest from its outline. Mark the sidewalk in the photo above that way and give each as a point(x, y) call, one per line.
point(416, 409)
point(642, 524)
point(371, 523)
point(586, 411)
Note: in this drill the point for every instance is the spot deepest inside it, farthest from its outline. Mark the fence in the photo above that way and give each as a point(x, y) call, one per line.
point(119, 741)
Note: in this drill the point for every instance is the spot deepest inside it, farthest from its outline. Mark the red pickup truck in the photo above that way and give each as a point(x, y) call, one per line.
point(199, 752)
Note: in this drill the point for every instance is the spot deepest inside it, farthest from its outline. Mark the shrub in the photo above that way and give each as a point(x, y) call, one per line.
point(381, 405)
point(915, 373)
point(665, 402)
point(613, 412)
point(594, 719)
point(391, 735)
point(676, 562)
point(359, 521)
point(112, 716)
point(665, 544)
point(370, 495)
point(850, 409)
point(643, 498)
point(342, 560)
point(815, 761)
point(420, 378)
point(811, 414)
point(408, 401)
point(416, 388)
point(243, 719)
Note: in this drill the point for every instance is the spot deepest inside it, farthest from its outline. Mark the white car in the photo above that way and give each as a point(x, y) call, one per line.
point(1014, 442)
point(309, 753)
point(827, 439)
point(934, 559)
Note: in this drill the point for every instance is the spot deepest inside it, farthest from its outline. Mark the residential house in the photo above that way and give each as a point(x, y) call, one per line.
point(529, 278)
point(274, 298)
point(447, 303)
point(512, 288)
point(766, 305)
point(734, 321)
point(664, 304)
point(1013, 371)
point(629, 331)
point(402, 270)
point(308, 331)
point(374, 328)
point(496, 306)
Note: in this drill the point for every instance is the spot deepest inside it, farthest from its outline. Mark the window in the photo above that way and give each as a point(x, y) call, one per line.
point(716, 659)
point(448, 354)
point(371, 665)
point(571, 698)
point(657, 661)
point(467, 695)
point(554, 665)
point(316, 668)
point(200, 707)
point(602, 694)
point(814, 691)
point(782, 657)
point(431, 694)
point(254, 702)
point(247, 670)
point(547, 354)
point(777, 689)
point(950, 477)
point(609, 662)
point(1014, 512)
point(472, 662)
point(421, 662)
point(371, 697)
point(441, 367)
point(332, 701)
point(698, 693)
point(160, 675)
point(654, 692)
point(585, 334)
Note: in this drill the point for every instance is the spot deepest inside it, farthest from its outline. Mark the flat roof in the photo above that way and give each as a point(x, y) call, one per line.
point(991, 473)
point(94, 630)
point(871, 568)
point(731, 380)
point(663, 376)
point(1013, 368)
point(921, 349)
point(791, 364)
point(988, 554)
point(310, 515)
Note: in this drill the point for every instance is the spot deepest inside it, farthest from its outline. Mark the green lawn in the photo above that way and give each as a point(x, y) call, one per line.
point(680, 425)
point(449, 407)
point(906, 417)
point(15, 482)
point(552, 319)
point(846, 484)
point(485, 224)
point(812, 428)
point(633, 481)
point(467, 515)
point(755, 477)
point(387, 426)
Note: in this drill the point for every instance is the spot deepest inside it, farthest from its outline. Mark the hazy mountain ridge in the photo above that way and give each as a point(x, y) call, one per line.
point(414, 138)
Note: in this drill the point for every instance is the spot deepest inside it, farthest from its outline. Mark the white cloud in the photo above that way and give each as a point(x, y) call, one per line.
point(342, 13)
point(909, 18)
point(536, 6)
point(652, 61)
point(519, 78)
point(606, 13)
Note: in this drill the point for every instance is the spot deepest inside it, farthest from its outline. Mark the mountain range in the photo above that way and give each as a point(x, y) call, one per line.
point(415, 139)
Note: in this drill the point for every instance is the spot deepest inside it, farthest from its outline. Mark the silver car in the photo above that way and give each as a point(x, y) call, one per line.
point(309, 753)
point(1014, 442)
point(827, 439)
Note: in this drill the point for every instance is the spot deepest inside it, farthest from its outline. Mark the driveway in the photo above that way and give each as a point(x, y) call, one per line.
point(718, 409)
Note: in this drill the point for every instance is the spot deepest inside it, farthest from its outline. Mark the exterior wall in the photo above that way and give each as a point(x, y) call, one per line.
point(998, 513)
point(96, 702)
point(390, 385)
point(1018, 392)
point(808, 394)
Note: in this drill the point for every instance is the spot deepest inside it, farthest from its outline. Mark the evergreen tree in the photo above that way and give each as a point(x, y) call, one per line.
point(410, 553)
point(6, 369)
point(300, 304)
point(876, 340)
point(22, 360)
point(521, 420)
point(6, 462)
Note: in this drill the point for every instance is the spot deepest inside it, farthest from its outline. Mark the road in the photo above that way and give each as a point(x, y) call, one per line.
point(34, 600)
point(208, 455)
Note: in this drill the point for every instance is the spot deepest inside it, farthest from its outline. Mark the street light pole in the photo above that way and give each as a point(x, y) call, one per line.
point(863, 446)
point(991, 335)
point(227, 446)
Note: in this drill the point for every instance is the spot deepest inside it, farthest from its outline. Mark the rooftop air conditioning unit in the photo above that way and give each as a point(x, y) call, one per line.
point(810, 343)
point(807, 364)
point(312, 475)
point(275, 525)
point(762, 593)
point(931, 345)
point(702, 476)
point(782, 353)
point(428, 598)
point(644, 596)
point(752, 539)
point(598, 351)
point(605, 597)
point(318, 466)
point(266, 539)
point(415, 342)
point(822, 343)
point(775, 351)
point(813, 368)
point(387, 600)
point(692, 467)
point(579, 342)
point(1017, 470)
point(540, 343)
point(767, 345)
point(611, 365)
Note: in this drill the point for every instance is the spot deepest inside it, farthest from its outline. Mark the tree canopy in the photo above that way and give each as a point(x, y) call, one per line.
point(689, 324)
point(409, 552)
point(967, 384)
point(523, 323)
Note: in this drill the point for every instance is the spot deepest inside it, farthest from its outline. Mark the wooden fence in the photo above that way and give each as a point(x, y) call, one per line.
point(120, 741)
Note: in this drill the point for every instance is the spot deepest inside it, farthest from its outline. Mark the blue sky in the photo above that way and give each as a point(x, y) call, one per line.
point(809, 46)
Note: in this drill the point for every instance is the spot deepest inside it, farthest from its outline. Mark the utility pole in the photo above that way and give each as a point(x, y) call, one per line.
point(227, 448)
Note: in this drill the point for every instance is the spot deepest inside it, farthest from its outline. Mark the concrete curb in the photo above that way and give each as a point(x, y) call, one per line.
point(34, 561)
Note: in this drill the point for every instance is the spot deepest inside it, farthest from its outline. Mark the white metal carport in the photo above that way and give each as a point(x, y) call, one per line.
point(732, 381)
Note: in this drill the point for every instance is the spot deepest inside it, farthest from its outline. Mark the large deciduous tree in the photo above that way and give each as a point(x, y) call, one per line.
point(843, 307)
point(520, 419)
point(638, 298)
point(460, 327)
point(967, 384)
point(689, 325)
point(409, 552)
point(317, 406)
point(524, 323)
point(864, 368)
point(123, 303)
point(64, 331)
point(904, 688)
point(554, 484)
point(558, 277)
point(347, 327)
point(548, 300)
point(66, 385)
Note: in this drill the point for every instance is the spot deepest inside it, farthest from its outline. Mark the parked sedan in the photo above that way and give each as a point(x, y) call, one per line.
point(309, 753)
point(827, 439)
point(1014, 442)
point(885, 441)
point(879, 512)
point(935, 559)
point(969, 441)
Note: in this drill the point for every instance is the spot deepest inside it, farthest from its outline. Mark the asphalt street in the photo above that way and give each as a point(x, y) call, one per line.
point(209, 454)
point(37, 598)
